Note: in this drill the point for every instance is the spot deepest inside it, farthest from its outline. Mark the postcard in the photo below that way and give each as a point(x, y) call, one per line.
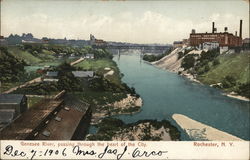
point(124, 79)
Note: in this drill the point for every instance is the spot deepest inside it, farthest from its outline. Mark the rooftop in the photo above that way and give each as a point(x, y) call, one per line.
point(83, 74)
point(69, 121)
point(29, 120)
point(6, 116)
point(11, 98)
point(178, 42)
point(217, 33)
point(52, 74)
point(89, 55)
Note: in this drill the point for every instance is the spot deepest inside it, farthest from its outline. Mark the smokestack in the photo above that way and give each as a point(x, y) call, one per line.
point(235, 33)
point(225, 29)
point(213, 27)
point(240, 29)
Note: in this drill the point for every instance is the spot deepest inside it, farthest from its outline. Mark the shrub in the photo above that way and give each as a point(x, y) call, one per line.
point(244, 89)
point(188, 62)
point(180, 55)
point(216, 62)
point(228, 82)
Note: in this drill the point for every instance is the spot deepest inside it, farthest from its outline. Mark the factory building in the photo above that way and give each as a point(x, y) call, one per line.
point(224, 39)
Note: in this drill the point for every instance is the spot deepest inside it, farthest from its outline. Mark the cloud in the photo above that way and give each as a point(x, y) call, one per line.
point(149, 27)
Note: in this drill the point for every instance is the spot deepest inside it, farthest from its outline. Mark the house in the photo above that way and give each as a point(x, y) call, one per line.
point(11, 106)
point(89, 56)
point(51, 76)
point(83, 74)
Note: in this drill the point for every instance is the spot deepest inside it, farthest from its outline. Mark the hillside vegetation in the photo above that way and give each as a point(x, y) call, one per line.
point(235, 65)
point(10, 67)
point(231, 73)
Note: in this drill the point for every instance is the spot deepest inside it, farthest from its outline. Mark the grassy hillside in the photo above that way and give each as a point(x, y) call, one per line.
point(98, 66)
point(23, 55)
point(235, 65)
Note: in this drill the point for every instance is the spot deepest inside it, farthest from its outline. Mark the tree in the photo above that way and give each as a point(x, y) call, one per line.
point(244, 89)
point(228, 82)
point(188, 61)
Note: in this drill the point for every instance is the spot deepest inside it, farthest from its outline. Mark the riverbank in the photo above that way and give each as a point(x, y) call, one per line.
point(129, 105)
point(216, 71)
point(200, 131)
point(165, 94)
point(143, 130)
point(231, 94)
point(108, 94)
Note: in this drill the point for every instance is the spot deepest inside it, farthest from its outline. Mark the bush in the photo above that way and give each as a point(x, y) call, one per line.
point(228, 82)
point(10, 67)
point(180, 55)
point(207, 68)
point(188, 62)
point(216, 62)
point(244, 90)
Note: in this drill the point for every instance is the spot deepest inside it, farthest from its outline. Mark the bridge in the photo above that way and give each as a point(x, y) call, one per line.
point(115, 47)
point(159, 49)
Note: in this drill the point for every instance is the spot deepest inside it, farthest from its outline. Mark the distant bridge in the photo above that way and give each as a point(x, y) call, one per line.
point(143, 47)
point(159, 49)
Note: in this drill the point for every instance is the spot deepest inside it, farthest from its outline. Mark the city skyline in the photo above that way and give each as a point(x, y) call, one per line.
point(124, 21)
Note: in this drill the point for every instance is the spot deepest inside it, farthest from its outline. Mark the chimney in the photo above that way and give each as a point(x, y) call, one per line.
point(240, 29)
point(225, 29)
point(215, 30)
point(213, 27)
point(235, 33)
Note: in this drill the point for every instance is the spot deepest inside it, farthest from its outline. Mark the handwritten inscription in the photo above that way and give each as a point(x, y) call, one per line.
point(78, 152)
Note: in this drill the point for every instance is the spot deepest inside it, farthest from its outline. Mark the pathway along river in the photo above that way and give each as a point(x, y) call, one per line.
point(165, 93)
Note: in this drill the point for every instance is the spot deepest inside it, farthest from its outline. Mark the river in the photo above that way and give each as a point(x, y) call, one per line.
point(165, 93)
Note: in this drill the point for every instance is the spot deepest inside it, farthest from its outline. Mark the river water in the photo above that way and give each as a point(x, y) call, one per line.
point(165, 93)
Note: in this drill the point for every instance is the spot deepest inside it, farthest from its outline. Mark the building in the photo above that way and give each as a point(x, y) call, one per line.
point(210, 45)
point(51, 76)
point(3, 41)
point(97, 43)
point(178, 44)
point(16, 102)
point(83, 74)
point(11, 106)
point(90, 56)
point(223, 38)
point(185, 42)
point(51, 119)
point(246, 44)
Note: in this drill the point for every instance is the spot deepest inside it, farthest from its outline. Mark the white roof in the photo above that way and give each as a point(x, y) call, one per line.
point(83, 74)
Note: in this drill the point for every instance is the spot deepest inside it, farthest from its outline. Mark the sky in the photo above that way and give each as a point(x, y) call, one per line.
point(124, 21)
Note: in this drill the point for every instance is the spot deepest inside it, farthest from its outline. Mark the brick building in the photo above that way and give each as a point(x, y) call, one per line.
point(223, 38)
